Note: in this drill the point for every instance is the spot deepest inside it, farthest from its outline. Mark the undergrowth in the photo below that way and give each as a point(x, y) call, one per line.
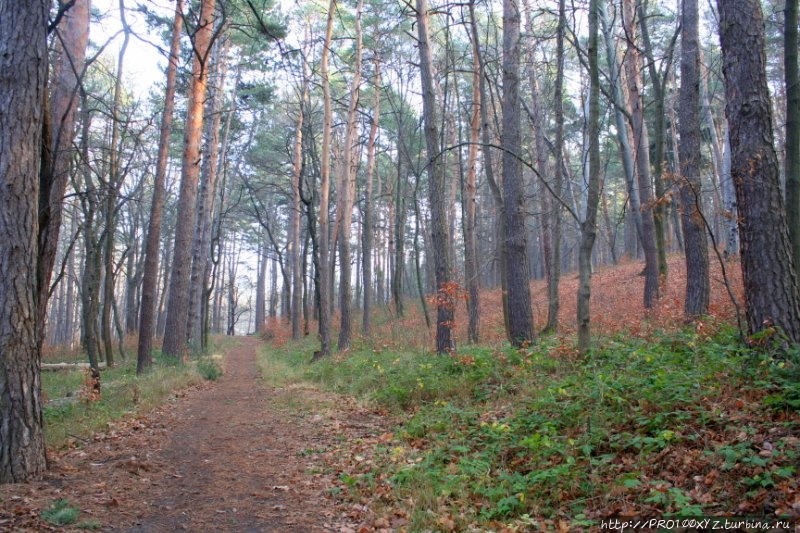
point(687, 423)
point(75, 408)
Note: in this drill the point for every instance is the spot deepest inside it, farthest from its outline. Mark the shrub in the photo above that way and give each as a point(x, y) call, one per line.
point(209, 368)
point(61, 513)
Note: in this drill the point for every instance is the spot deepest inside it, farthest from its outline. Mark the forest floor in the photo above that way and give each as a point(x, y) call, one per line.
point(662, 419)
point(230, 455)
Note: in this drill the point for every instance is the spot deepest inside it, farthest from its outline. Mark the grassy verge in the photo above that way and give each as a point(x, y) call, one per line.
point(72, 411)
point(686, 423)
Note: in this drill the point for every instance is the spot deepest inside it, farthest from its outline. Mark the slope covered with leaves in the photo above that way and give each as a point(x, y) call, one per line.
point(660, 419)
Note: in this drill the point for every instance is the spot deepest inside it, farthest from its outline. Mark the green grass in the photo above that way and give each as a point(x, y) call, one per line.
point(60, 513)
point(69, 416)
point(209, 367)
point(497, 436)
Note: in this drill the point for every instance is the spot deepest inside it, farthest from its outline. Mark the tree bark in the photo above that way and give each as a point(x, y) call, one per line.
point(323, 238)
point(589, 224)
point(641, 146)
point(471, 266)
point(694, 231)
point(488, 163)
point(554, 270)
point(623, 136)
point(112, 193)
point(92, 261)
point(731, 216)
point(658, 81)
point(208, 192)
point(23, 69)
point(175, 335)
point(437, 185)
point(296, 213)
point(792, 143)
point(520, 319)
point(346, 194)
point(397, 242)
point(261, 288)
point(72, 37)
point(368, 233)
point(770, 284)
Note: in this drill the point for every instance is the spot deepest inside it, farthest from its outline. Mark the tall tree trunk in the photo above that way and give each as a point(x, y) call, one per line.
point(658, 82)
point(488, 163)
point(398, 240)
point(437, 184)
point(554, 272)
point(131, 284)
point(261, 287)
point(92, 261)
point(296, 257)
point(69, 317)
point(324, 194)
point(520, 319)
point(417, 252)
point(114, 182)
point(163, 283)
point(368, 233)
point(272, 311)
point(792, 143)
point(346, 194)
point(471, 266)
point(175, 335)
point(72, 37)
point(694, 231)
point(589, 224)
point(623, 136)
point(730, 219)
point(770, 284)
point(23, 70)
point(641, 145)
point(208, 191)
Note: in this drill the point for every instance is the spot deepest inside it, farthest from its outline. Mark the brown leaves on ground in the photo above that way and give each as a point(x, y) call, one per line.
point(231, 455)
point(617, 305)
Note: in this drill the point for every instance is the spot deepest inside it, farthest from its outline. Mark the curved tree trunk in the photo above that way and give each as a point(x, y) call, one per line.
point(658, 81)
point(623, 137)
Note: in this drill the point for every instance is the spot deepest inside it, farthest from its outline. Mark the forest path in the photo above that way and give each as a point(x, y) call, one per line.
point(233, 455)
point(238, 463)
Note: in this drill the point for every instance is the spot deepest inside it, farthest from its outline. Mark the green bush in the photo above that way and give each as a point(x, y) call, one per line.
point(60, 513)
point(209, 368)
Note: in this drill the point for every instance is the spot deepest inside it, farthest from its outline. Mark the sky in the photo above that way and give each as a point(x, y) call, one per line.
point(144, 63)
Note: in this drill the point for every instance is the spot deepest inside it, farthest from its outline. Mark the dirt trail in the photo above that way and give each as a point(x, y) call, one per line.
point(237, 460)
point(231, 456)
